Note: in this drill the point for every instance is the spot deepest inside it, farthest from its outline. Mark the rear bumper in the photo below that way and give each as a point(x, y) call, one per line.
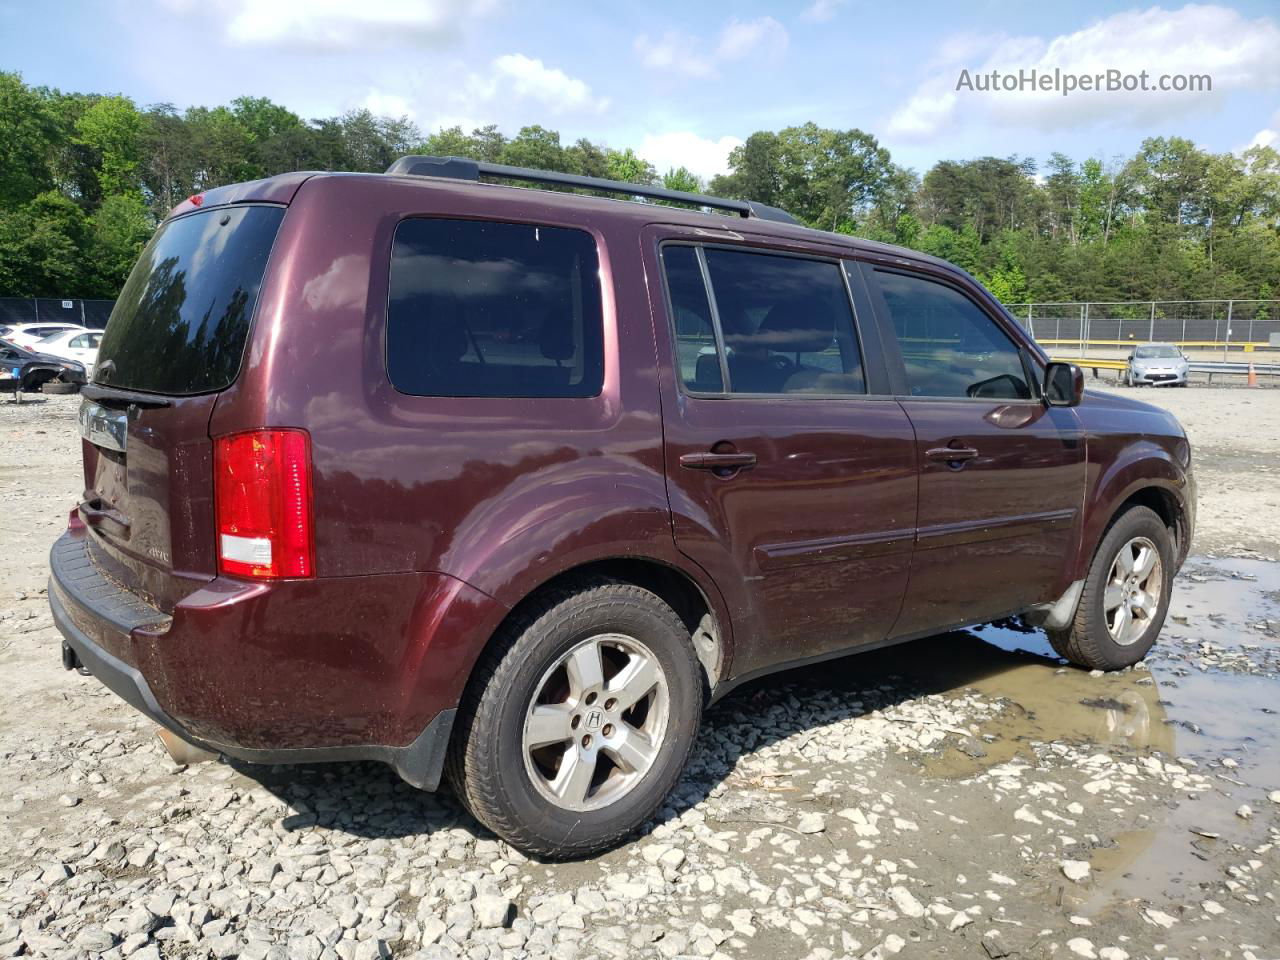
point(420, 763)
point(270, 673)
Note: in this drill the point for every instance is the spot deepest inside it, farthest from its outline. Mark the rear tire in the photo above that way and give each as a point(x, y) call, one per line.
point(1126, 595)
point(548, 754)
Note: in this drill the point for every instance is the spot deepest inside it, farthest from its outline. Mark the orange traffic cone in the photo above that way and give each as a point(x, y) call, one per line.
point(1253, 376)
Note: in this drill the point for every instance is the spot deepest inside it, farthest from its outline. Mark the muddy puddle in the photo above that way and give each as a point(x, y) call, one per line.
point(1209, 691)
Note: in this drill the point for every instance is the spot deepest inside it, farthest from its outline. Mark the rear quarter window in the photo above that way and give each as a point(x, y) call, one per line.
point(182, 319)
point(489, 309)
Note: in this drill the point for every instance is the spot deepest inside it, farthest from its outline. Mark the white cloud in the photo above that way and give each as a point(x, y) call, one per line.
point(1195, 39)
point(531, 79)
point(337, 24)
point(673, 52)
point(705, 157)
point(506, 90)
point(384, 104)
point(820, 11)
point(1267, 137)
point(686, 55)
point(740, 38)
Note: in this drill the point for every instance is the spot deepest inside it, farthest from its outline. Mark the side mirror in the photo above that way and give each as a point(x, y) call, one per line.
point(1063, 384)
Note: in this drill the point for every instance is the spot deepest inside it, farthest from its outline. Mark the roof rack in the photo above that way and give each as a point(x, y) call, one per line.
point(461, 168)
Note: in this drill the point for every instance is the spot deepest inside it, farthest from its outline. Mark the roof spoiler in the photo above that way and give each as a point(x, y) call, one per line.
point(461, 168)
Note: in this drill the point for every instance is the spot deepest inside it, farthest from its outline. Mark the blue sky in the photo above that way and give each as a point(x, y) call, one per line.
point(683, 82)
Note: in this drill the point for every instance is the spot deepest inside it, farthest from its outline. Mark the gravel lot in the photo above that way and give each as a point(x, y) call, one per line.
point(964, 796)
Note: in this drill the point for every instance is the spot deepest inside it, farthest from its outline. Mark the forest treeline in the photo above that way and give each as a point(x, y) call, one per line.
point(85, 178)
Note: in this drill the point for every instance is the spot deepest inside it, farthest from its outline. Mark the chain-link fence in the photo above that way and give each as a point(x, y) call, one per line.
point(1225, 324)
point(88, 313)
point(1222, 324)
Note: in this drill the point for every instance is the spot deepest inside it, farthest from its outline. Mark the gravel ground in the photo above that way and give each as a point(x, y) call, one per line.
point(963, 796)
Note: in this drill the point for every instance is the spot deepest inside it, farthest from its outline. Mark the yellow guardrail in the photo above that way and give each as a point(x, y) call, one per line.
point(1093, 363)
point(1246, 345)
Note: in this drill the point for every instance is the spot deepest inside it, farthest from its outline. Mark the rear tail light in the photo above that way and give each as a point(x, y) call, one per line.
point(262, 497)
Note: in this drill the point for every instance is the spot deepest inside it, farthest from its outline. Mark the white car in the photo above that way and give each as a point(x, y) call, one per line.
point(76, 344)
point(27, 334)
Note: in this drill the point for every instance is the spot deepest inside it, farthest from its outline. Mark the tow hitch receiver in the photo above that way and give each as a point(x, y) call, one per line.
point(71, 662)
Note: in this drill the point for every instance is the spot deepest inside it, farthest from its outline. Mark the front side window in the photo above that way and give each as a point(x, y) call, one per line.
point(485, 309)
point(785, 322)
point(950, 346)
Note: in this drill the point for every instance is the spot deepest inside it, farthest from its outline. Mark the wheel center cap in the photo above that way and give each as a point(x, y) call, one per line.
point(593, 720)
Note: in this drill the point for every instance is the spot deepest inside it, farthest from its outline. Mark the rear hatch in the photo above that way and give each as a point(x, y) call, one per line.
point(176, 338)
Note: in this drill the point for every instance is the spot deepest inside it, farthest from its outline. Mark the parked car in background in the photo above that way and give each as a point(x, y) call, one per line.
point(35, 369)
point(1157, 364)
point(507, 484)
point(28, 334)
point(78, 345)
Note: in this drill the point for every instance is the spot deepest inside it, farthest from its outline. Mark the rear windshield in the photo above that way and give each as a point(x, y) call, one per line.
point(181, 321)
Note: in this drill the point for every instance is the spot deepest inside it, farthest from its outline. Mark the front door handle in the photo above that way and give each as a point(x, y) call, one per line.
point(718, 461)
point(956, 455)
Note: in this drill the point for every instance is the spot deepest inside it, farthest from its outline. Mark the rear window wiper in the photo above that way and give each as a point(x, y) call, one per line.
point(97, 391)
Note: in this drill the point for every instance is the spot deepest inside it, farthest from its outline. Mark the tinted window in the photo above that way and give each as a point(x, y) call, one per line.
point(180, 323)
point(950, 346)
point(481, 309)
point(786, 322)
point(696, 352)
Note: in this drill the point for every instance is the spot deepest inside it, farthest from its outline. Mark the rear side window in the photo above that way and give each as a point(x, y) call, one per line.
point(485, 309)
point(950, 346)
point(180, 323)
point(786, 325)
point(696, 352)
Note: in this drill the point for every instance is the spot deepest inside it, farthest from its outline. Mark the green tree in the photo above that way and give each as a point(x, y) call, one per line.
point(27, 135)
point(84, 178)
point(682, 178)
point(536, 147)
point(755, 173)
point(117, 232)
point(220, 146)
point(625, 165)
point(112, 127)
point(589, 159)
point(42, 248)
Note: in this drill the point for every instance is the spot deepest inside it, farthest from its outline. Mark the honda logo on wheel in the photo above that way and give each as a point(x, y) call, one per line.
point(593, 719)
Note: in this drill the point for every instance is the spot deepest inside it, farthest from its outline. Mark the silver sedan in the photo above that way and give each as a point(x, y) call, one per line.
point(1158, 364)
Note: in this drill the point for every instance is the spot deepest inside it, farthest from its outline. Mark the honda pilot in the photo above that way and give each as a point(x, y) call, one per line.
point(503, 485)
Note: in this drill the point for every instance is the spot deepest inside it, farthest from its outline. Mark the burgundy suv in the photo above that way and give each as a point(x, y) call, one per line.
point(506, 484)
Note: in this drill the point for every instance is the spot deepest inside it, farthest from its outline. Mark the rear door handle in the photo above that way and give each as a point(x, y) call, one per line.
point(951, 454)
point(95, 515)
point(718, 461)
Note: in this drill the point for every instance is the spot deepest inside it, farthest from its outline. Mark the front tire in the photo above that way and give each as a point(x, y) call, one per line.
point(1126, 595)
point(578, 722)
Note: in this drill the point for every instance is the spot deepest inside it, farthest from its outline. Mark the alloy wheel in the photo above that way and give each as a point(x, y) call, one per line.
point(596, 722)
point(1134, 591)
